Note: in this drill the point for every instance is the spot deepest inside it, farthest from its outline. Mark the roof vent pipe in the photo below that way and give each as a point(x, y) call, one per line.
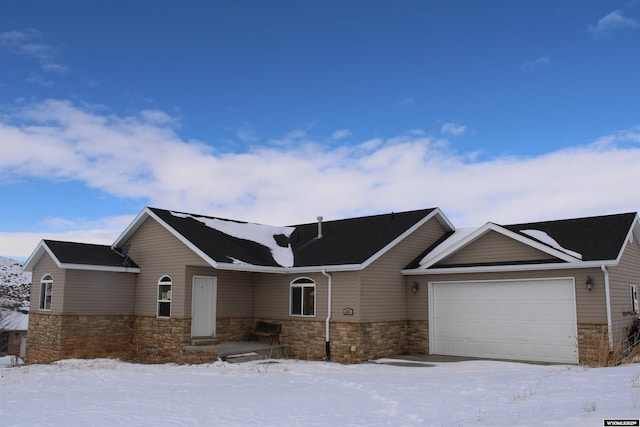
point(319, 227)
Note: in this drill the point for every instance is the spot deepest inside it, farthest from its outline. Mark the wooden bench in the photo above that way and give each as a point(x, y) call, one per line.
point(268, 330)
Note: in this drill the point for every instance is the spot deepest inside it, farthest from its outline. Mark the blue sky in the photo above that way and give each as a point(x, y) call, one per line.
point(279, 111)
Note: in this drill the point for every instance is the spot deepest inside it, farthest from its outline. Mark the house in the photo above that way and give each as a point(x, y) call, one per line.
point(346, 290)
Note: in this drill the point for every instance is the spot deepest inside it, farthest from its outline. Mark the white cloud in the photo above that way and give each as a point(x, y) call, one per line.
point(453, 129)
point(29, 44)
point(157, 117)
point(104, 231)
point(132, 157)
point(55, 68)
point(341, 133)
point(536, 63)
point(612, 22)
point(406, 102)
point(246, 133)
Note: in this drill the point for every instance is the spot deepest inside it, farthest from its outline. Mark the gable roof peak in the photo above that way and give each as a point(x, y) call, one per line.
point(346, 243)
point(82, 256)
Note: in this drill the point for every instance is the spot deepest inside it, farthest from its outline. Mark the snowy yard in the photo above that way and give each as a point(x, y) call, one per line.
point(110, 393)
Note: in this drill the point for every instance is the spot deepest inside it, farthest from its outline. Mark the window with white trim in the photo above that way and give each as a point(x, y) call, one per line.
point(164, 296)
point(634, 299)
point(302, 300)
point(46, 292)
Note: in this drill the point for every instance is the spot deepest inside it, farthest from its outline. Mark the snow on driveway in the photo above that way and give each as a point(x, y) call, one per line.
point(105, 392)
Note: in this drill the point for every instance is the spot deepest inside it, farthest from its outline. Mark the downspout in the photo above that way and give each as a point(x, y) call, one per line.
point(327, 343)
point(607, 294)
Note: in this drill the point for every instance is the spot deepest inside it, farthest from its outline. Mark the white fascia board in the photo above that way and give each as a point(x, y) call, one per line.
point(436, 213)
point(180, 237)
point(537, 245)
point(507, 268)
point(507, 233)
point(442, 219)
point(459, 245)
point(36, 255)
point(42, 248)
point(92, 267)
point(634, 233)
point(131, 228)
point(287, 270)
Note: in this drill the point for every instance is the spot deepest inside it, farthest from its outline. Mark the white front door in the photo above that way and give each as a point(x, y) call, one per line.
point(203, 306)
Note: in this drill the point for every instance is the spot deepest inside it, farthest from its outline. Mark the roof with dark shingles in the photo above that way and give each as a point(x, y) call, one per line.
point(350, 241)
point(343, 242)
point(596, 238)
point(87, 254)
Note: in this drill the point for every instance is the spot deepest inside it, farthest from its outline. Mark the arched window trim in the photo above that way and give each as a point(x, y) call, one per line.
point(165, 294)
point(46, 292)
point(302, 297)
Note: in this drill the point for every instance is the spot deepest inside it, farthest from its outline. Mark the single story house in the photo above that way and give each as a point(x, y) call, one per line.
point(347, 290)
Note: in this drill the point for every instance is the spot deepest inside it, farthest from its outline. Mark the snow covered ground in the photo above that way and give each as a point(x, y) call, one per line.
point(105, 392)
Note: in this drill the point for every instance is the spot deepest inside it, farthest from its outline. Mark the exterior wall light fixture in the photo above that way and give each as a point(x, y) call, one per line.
point(589, 283)
point(415, 287)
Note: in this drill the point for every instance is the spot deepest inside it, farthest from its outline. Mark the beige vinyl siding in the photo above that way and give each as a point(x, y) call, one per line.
point(234, 292)
point(383, 288)
point(271, 296)
point(158, 252)
point(494, 247)
point(345, 290)
point(99, 292)
point(626, 273)
point(46, 265)
point(590, 306)
point(272, 293)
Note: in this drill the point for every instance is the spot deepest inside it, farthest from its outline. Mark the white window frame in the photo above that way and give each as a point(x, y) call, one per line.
point(46, 290)
point(635, 307)
point(165, 291)
point(302, 283)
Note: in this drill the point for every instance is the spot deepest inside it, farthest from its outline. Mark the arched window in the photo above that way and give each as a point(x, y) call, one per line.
point(303, 297)
point(46, 292)
point(164, 296)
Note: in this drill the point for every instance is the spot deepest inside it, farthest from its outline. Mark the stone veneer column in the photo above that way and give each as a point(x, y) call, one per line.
point(593, 339)
point(43, 338)
point(306, 338)
point(161, 336)
point(418, 337)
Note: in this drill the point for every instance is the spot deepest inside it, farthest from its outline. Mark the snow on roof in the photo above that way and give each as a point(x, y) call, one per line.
point(457, 236)
point(259, 233)
point(548, 240)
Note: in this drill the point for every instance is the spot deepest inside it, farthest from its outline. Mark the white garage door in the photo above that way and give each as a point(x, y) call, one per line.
point(520, 319)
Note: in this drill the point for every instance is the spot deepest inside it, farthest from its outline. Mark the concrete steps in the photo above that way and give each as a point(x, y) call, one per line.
point(204, 341)
point(244, 357)
point(236, 352)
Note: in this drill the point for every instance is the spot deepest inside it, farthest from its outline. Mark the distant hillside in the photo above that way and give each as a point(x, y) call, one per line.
point(15, 287)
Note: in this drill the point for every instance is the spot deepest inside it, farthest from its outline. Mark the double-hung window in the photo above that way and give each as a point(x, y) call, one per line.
point(164, 296)
point(46, 292)
point(303, 297)
point(634, 299)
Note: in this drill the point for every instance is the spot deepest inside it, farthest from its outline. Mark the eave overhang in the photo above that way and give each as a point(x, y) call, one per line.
point(507, 268)
point(42, 248)
point(148, 213)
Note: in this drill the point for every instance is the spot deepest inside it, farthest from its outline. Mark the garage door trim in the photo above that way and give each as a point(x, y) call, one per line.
point(570, 302)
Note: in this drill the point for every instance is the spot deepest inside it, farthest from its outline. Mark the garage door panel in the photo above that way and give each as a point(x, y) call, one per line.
point(523, 320)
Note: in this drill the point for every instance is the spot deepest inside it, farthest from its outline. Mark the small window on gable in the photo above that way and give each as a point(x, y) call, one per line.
point(164, 296)
point(302, 300)
point(46, 292)
point(634, 299)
